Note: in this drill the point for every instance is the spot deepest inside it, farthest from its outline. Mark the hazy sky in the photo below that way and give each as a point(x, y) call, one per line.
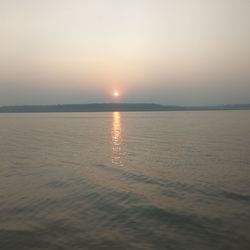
point(186, 52)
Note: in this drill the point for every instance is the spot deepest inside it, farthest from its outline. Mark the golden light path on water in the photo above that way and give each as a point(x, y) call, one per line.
point(116, 134)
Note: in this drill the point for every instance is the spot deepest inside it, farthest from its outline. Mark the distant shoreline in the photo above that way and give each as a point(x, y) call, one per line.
point(119, 107)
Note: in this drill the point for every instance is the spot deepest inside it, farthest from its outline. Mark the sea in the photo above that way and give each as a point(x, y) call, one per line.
point(177, 180)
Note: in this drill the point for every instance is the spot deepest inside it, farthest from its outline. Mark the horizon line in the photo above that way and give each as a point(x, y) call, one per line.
point(125, 103)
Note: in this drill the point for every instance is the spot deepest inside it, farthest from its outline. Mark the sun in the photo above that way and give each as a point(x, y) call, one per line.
point(116, 94)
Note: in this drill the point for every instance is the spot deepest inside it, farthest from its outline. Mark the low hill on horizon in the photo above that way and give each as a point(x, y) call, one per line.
point(111, 107)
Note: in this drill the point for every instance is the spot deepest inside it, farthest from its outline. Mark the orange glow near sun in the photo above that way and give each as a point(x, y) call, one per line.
point(116, 94)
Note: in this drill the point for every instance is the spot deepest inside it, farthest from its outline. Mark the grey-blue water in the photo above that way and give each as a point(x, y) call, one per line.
point(149, 180)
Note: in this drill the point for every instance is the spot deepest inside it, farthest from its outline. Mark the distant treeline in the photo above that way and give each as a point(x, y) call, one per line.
point(111, 107)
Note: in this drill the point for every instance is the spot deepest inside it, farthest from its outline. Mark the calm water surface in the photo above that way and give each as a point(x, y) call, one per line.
point(146, 180)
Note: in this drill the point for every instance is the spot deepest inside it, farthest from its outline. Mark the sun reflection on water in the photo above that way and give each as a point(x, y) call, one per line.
point(116, 134)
